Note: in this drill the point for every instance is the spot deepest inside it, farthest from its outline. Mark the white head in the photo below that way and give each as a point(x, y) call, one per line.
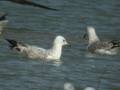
point(57, 47)
point(92, 34)
point(89, 88)
point(68, 86)
point(60, 41)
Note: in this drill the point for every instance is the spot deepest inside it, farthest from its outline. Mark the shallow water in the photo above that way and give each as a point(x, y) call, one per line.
point(39, 27)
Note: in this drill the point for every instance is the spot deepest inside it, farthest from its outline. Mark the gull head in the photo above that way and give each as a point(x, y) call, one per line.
point(91, 34)
point(68, 86)
point(56, 50)
point(90, 30)
point(89, 88)
point(60, 40)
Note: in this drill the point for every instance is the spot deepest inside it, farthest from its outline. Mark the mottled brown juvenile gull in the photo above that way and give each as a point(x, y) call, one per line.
point(35, 52)
point(95, 45)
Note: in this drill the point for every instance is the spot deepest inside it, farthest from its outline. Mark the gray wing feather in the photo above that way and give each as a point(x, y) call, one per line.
point(36, 52)
point(100, 45)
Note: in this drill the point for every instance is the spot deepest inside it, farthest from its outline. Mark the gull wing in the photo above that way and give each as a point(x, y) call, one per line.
point(29, 2)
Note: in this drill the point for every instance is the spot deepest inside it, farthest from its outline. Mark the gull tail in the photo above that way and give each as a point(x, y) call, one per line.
point(116, 43)
point(16, 45)
point(3, 17)
point(13, 43)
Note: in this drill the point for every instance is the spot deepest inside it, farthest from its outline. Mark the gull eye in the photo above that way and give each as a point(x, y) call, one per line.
point(64, 40)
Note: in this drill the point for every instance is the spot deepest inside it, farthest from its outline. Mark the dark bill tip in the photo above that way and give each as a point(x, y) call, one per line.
point(85, 36)
point(68, 45)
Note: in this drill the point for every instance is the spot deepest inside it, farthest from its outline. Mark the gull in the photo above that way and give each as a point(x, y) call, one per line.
point(3, 21)
point(95, 45)
point(29, 2)
point(70, 86)
point(35, 52)
point(89, 88)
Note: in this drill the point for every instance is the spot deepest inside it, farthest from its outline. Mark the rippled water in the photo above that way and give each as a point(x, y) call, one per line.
point(39, 27)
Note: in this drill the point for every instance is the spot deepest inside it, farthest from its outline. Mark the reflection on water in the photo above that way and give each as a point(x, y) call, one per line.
point(57, 63)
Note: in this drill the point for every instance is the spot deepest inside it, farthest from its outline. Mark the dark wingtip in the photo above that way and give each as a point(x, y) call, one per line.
point(3, 16)
point(116, 43)
point(13, 43)
point(40, 5)
point(10, 40)
point(53, 9)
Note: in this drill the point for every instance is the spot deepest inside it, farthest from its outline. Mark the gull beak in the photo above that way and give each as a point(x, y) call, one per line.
point(68, 44)
point(85, 37)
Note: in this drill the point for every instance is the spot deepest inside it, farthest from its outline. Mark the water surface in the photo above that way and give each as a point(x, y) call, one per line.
point(39, 27)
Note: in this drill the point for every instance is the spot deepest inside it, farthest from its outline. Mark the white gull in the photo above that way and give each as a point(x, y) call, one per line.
point(35, 52)
point(70, 86)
